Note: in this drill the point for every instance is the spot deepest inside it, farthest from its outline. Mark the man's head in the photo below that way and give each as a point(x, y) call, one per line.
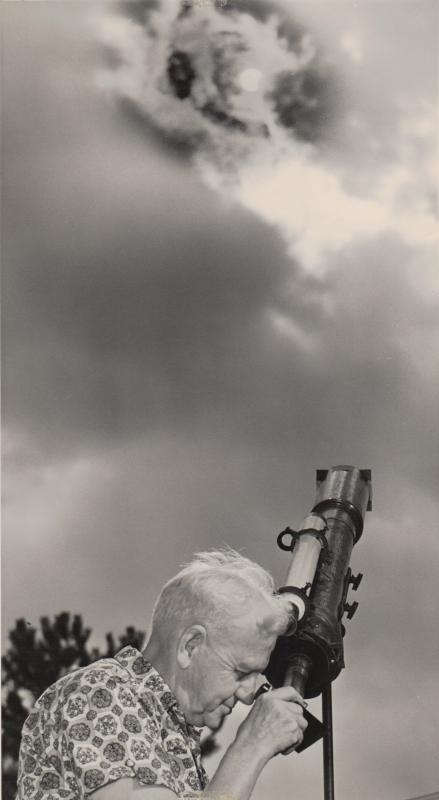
point(213, 628)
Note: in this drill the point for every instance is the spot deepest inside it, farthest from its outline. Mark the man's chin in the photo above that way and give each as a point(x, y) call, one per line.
point(214, 719)
point(214, 726)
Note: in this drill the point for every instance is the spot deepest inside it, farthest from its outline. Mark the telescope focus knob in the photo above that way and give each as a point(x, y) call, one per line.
point(355, 580)
point(350, 609)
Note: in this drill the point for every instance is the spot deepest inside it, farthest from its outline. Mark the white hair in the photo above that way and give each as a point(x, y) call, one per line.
point(220, 588)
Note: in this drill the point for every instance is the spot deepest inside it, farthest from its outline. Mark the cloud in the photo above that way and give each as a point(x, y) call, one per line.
point(262, 141)
point(139, 316)
point(210, 327)
point(320, 217)
point(184, 72)
point(141, 300)
point(351, 44)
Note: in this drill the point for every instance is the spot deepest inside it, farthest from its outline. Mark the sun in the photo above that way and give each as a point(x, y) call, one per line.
point(249, 79)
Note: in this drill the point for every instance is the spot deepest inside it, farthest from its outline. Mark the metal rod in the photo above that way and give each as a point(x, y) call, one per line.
point(328, 749)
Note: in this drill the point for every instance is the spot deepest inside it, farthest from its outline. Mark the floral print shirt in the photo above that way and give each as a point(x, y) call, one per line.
point(114, 719)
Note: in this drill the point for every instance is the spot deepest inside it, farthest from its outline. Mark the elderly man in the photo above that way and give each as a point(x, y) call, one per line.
point(125, 728)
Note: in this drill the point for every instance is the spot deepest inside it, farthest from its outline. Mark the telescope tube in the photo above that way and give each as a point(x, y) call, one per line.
point(312, 657)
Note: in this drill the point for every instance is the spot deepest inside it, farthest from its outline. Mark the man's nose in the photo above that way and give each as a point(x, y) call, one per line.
point(247, 689)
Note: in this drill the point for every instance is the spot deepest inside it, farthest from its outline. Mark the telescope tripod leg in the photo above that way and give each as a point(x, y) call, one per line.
point(328, 749)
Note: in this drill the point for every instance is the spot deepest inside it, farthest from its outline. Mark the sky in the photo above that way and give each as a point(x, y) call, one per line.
point(220, 273)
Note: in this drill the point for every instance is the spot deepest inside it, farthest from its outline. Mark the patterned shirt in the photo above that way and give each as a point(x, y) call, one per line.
point(113, 719)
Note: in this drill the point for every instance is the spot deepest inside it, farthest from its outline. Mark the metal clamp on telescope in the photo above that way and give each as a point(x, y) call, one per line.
point(310, 655)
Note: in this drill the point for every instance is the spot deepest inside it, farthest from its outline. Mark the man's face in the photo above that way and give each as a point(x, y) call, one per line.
point(222, 673)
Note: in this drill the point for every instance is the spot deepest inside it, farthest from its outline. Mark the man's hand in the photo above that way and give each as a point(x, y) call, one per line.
point(275, 723)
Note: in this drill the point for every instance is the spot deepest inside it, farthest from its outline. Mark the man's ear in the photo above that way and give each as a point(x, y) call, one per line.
point(189, 641)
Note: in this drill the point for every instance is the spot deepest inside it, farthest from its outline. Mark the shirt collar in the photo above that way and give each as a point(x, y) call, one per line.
point(144, 673)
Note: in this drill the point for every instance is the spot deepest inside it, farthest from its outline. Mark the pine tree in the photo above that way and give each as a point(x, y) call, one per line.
point(35, 660)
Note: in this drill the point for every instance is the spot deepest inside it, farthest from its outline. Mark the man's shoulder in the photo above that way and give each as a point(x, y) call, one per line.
point(99, 679)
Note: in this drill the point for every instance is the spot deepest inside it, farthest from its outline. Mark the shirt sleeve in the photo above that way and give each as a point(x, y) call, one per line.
point(106, 737)
point(43, 771)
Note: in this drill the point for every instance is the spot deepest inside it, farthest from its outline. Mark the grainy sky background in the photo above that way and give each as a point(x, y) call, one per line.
point(209, 296)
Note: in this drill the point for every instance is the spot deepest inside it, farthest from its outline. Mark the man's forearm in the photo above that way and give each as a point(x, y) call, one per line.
point(236, 775)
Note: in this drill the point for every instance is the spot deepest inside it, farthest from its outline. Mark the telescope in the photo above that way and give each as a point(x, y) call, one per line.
point(311, 655)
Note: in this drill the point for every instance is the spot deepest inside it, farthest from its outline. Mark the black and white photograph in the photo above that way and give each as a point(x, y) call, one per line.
point(220, 397)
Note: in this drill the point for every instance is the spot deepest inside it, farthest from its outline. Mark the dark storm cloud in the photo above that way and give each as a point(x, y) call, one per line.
point(163, 310)
point(304, 102)
point(180, 73)
point(146, 321)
